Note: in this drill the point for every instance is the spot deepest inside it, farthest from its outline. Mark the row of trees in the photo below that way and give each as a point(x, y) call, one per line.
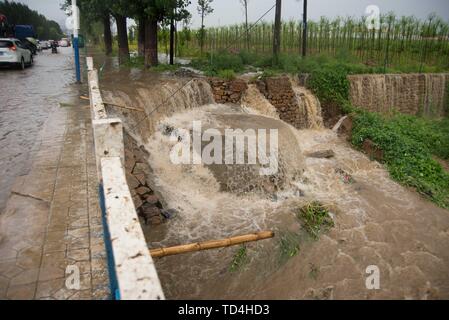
point(148, 14)
point(153, 17)
point(399, 39)
point(18, 13)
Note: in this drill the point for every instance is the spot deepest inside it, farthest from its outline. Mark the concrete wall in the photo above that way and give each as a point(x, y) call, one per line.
point(133, 274)
point(424, 94)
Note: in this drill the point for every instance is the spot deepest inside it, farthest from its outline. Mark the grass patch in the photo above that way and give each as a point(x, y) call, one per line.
point(289, 244)
point(315, 218)
point(408, 143)
point(139, 63)
point(226, 74)
point(240, 259)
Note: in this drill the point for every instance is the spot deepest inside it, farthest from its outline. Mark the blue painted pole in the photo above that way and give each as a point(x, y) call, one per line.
point(77, 59)
point(76, 24)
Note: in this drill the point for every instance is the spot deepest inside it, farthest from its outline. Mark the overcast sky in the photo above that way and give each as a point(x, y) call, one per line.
point(230, 11)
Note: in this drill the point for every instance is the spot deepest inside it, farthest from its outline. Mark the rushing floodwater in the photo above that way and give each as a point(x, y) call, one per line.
point(377, 222)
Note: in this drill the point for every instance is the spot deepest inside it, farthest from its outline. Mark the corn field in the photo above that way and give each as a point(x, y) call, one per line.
point(397, 41)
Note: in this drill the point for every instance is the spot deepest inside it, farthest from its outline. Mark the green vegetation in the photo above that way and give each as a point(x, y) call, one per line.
point(289, 244)
point(404, 42)
point(315, 219)
point(240, 259)
point(408, 143)
point(139, 62)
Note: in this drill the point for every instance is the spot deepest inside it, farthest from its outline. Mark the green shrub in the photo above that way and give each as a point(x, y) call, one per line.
point(408, 143)
point(315, 218)
point(227, 74)
point(330, 84)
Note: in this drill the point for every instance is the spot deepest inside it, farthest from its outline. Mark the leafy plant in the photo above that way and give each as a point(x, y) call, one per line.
point(240, 258)
point(315, 218)
point(226, 74)
point(408, 143)
point(289, 244)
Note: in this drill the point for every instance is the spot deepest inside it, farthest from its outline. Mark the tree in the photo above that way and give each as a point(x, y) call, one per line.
point(277, 31)
point(204, 9)
point(95, 10)
point(160, 11)
point(18, 13)
point(120, 10)
point(245, 6)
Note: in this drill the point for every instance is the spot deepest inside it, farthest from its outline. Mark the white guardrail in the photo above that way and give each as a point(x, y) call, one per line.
point(132, 272)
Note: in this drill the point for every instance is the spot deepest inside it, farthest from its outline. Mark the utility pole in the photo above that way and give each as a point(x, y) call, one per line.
point(277, 31)
point(76, 27)
point(304, 30)
point(172, 39)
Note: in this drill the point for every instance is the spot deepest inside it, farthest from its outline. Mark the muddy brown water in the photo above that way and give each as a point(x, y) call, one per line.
point(26, 99)
point(377, 221)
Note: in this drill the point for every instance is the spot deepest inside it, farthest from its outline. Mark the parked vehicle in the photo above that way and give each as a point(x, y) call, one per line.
point(14, 53)
point(26, 34)
point(63, 43)
point(45, 45)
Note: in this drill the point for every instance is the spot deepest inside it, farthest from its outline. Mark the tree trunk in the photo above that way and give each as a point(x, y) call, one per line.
point(304, 30)
point(246, 26)
point(151, 43)
point(202, 34)
point(107, 34)
point(141, 37)
point(277, 31)
point(172, 41)
point(122, 35)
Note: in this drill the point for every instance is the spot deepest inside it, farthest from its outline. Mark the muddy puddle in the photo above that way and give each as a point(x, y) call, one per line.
point(377, 222)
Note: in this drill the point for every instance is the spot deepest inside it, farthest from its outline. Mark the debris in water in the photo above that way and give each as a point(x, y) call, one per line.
point(315, 218)
point(321, 154)
point(345, 177)
point(169, 213)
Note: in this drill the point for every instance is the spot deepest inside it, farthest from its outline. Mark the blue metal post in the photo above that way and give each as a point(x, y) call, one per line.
point(77, 59)
point(76, 26)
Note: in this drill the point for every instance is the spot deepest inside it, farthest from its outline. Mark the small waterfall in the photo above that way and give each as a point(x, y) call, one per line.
point(407, 93)
point(338, 124)
point(255, 100)
point(157, 102)
point(309, 106)
point(435, 94)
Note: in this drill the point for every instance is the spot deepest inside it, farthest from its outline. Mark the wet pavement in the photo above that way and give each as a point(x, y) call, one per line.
point(26, 100)
point(50, 227)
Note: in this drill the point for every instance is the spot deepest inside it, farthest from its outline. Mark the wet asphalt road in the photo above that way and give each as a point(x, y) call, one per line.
point(26, 99)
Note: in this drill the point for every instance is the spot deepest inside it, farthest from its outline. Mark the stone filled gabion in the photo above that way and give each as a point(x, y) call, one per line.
point(147, 203)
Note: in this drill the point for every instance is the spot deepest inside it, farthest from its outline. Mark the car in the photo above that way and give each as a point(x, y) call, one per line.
point(63, 43)
point(14, 53)
point(44, 45)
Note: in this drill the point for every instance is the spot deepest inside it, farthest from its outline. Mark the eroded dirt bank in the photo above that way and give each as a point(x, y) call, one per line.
point(377, 222)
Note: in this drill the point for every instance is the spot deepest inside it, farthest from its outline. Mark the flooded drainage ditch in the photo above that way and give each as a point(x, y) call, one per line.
point(368, 220)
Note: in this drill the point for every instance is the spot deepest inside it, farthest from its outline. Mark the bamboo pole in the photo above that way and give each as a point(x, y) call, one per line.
point(212, 244)
point(123, 107)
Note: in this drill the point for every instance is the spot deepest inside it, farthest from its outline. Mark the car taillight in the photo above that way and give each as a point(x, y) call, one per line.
point(13, 48)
